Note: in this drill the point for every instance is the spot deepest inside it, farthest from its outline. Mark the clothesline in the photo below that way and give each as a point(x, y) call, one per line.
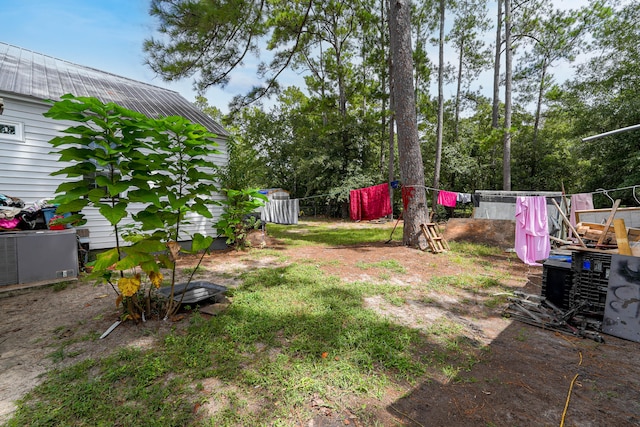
point(596, 191)
point(313, 197)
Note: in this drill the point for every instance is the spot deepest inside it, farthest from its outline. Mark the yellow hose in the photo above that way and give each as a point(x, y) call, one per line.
point(566, 405)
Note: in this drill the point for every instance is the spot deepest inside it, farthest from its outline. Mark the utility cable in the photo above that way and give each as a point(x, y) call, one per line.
point(566, 405)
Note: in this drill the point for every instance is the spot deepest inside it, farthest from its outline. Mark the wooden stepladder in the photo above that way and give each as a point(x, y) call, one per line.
point(436, 242)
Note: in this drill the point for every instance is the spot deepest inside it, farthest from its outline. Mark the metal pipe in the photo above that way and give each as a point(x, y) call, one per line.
point(613, 132)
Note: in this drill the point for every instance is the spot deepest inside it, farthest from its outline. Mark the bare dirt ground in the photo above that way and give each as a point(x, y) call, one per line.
point(524, 377)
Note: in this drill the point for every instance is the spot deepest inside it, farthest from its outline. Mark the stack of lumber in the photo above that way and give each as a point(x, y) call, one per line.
point(595, 236)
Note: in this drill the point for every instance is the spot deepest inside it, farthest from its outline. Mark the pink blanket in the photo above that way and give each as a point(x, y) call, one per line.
point(580, 202)
point(447, 198)
point(532, 232)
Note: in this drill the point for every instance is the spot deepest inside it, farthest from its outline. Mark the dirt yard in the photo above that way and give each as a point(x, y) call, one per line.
point(523, 379)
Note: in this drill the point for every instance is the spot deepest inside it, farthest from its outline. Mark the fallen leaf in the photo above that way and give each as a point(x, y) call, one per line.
point(177, 318)
point(174, 249)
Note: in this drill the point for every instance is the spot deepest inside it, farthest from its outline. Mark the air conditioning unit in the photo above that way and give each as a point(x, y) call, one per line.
point(8, 259)
point(38, 256)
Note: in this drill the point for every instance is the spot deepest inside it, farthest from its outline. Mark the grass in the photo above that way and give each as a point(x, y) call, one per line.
point(320, 233)
point(391, 265)
point(194, 270)
point(292, 332)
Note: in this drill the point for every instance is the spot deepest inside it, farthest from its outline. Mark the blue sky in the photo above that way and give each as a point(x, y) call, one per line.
point(103, 34)
point(109, 34)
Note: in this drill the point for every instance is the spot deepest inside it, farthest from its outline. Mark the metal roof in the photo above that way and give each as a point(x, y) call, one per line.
point(27, 73)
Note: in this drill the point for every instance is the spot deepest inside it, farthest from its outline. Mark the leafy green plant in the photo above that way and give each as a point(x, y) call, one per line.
point(237, 220)
point(144, 176)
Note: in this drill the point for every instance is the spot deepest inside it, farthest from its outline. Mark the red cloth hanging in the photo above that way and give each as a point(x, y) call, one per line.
point(355, 210)
point(370, 202)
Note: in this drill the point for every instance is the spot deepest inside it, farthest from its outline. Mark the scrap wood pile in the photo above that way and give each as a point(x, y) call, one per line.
point(591, 284)
point(592, 233)
point(611, 237)
point(538, 311)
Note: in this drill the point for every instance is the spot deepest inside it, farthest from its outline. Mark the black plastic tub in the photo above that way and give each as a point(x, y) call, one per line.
point(195, 291)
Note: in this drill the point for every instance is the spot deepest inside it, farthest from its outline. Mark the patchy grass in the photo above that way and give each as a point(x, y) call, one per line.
point(477, 250)
point(266, 253)
point(391, 265)
point(293, 333)
point(194, 271)
point(329, 235)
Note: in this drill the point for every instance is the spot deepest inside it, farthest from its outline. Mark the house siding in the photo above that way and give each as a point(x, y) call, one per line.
point(26, 167)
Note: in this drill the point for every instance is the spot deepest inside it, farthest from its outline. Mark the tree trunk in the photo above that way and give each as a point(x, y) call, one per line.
point(495, 112)
point(392, 134)
point(456, 125)
point(536, 123)
point(383, 85)
point(392, 157)
point(411, 166)
point(506, 153)
point(440, 124)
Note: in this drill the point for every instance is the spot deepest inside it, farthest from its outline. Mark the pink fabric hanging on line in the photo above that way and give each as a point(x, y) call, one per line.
point(532, 232)
point(580, 202)
point(447, 198)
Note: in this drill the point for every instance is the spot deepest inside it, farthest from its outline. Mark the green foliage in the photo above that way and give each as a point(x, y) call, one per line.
point(605, 96)
point(160, 166)
point(332, 135)
point(237, 220)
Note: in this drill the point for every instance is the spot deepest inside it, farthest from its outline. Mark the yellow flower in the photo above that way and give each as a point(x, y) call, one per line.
point(156, 278)
point(129, 285)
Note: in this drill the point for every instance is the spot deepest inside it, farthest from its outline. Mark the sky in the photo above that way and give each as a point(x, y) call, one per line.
point(104, 34)
point(109, 34)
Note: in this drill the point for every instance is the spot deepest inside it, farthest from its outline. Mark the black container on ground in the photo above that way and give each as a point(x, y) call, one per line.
point(591, 280)
point(557, 283)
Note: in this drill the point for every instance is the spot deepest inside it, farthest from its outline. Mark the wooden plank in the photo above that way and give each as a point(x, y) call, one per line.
point(621, 237)
point(607, 224)
point(593, 231)
point(566, 221)
point(607, 210)
point(602, 251)
point(436, 243)
point(427, 236)
point(582, 215)
point(566, 206)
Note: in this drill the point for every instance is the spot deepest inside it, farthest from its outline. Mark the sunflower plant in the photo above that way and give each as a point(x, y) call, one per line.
point(146, 177)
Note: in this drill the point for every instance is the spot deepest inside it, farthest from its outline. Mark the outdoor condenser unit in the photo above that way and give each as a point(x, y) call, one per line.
point(38, 256)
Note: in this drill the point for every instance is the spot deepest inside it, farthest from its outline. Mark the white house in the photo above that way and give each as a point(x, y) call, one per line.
point(27, 79)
